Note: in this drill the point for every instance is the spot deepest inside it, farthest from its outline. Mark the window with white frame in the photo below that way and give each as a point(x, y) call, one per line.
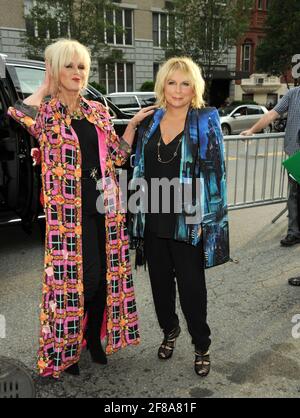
point(53, 29)
point(246, 64)
point(119, 30)
point(160, 28)
point(117, 77)
point(260, 4)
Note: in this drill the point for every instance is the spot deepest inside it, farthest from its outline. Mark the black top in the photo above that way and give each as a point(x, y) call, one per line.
point(88, 140)
point(163, 224)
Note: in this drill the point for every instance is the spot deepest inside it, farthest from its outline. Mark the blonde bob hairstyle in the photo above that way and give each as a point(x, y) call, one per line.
point(193, 73)
point(61, 53)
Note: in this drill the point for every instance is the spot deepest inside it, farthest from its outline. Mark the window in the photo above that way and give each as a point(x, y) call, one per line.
point(117, 77)
point(29, 79)
point(126, 102)
point(248, 97)
point(241, 111)
point(160, 29)
point(52, 29)
point(246, 65)
point(254, 111)
point(260, 4)
point(155, 69)
point(119, 29)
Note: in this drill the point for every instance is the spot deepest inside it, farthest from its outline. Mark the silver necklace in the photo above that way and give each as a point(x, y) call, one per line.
point(159, 159)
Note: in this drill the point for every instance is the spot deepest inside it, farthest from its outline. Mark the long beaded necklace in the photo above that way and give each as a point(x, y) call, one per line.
point(159, 159)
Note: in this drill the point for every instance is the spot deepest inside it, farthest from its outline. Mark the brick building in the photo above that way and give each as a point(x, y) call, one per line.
point(251, 85)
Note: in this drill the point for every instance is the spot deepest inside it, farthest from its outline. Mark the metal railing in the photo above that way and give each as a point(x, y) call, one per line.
point(255, 173)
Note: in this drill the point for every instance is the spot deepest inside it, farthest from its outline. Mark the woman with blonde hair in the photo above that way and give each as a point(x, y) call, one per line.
point(87, 268)
point(182, 141)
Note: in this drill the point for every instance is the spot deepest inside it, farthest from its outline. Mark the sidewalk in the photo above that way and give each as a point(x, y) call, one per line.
point(250, 312)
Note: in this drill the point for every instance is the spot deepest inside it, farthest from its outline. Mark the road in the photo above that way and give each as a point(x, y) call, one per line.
point(251, 307)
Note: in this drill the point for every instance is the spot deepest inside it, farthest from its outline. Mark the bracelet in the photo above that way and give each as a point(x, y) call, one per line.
point(135, 127)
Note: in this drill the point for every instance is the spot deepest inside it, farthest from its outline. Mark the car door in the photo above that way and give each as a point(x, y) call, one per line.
point(238, 119)
point(19, 182)
point(254, 114)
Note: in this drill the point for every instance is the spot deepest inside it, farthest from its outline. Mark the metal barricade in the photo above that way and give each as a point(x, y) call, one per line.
point(255, 173)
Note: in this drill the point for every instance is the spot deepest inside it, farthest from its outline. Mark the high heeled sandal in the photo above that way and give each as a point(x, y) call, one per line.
point(166, 348)
point(202, 363)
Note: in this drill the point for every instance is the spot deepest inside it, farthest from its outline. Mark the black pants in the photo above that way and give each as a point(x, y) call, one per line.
point(93, 242)
point(168, 259)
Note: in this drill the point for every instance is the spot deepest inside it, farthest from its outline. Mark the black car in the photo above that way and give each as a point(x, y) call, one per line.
point(19, 180)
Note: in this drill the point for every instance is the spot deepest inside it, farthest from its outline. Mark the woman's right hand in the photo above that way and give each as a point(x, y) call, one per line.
point(141, 115)
point(248, 132)
point(45, 89)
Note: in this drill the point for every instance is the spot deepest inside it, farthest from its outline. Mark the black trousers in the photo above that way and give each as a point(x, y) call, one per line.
point(169, 259)
point(93, 242)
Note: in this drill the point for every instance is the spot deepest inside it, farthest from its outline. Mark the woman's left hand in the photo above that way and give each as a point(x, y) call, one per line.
point(141, 115)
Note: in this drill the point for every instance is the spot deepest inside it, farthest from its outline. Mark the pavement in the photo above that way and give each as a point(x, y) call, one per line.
point(250, 311)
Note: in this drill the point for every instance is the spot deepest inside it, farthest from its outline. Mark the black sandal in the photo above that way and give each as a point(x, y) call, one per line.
point(166, 348)
point(202, 363)
point(294, 281)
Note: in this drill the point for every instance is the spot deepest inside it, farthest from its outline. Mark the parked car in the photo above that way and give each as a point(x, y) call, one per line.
point(19, 180)
point(132, 102)
point(235, 119)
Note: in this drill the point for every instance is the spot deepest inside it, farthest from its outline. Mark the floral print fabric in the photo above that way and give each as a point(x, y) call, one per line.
point(62, 308)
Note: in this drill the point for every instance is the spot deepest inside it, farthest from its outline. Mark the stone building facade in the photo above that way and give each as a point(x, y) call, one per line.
point(145, 25)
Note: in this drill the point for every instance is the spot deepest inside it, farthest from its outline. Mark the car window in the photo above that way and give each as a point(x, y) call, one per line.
point(147, 101)
point(254, 111)
point(241, 110)
point(125, 102)
point(225, 111)
point(29, 79)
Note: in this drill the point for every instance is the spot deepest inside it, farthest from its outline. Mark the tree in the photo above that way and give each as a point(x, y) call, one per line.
point(205, 30)
point(281, 43)
point(83, 20)
point(147, 86)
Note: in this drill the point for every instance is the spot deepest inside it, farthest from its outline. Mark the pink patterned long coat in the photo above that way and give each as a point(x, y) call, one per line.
point(62, 308)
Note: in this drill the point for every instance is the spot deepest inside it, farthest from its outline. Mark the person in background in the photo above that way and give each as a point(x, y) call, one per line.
point(289, 103)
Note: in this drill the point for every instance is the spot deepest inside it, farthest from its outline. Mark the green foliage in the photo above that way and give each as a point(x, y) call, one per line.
point(274, 54)
point(98, 87)
point(205, 30)
point(82, 20)
point(147, 86)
